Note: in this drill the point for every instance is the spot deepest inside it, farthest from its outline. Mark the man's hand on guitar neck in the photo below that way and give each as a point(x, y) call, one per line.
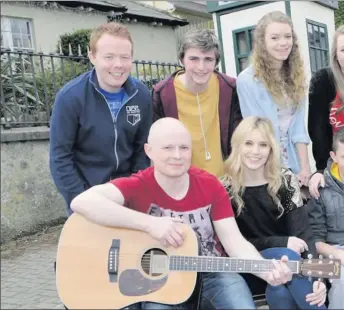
point(237, 246)
point(280, 275)
point(167, 230)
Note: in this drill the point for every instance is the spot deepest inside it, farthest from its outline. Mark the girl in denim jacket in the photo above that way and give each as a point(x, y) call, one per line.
point(273, 86)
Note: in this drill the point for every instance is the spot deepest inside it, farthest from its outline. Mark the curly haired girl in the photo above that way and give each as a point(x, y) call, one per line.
point(274, 86)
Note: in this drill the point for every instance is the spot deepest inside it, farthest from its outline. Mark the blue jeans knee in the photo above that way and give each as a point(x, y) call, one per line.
point(277, 253)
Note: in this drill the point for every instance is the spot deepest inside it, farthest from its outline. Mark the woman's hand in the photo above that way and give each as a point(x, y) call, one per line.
point(297, 245)
point(304, 176)
point(313, 185)
point(318, 297)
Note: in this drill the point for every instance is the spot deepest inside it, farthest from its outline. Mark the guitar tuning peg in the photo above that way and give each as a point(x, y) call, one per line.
point(310, 256)
point(320, 257)
point(330, 280)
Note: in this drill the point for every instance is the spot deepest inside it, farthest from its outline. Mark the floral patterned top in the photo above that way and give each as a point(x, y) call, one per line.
point(285, 115)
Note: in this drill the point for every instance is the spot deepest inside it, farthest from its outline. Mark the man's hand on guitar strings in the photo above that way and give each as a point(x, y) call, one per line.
point(281, 274)
point(167, 230)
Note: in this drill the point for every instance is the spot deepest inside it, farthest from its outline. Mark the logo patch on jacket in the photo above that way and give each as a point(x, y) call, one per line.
point(133, 114)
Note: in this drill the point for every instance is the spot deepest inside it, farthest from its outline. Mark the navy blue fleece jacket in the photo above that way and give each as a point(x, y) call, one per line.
point(88, 147)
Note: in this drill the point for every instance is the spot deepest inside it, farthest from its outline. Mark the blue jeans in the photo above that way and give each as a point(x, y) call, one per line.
point(219, 291)
point(291, 295)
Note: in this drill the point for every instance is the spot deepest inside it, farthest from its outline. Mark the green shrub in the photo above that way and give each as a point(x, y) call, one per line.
point(29, 96)
point(78, 37)
point(339, 14)
point(17, 90)
point(55, 80)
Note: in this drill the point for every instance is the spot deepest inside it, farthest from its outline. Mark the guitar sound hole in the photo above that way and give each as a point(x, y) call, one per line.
point(154, 262)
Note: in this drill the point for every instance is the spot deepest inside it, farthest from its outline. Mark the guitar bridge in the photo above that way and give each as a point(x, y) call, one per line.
point(113, 260)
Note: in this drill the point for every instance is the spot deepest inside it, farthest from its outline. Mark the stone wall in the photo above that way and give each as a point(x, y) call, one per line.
point(29, 199)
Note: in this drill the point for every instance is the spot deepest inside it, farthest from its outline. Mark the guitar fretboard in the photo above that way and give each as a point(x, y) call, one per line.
point(224, 264)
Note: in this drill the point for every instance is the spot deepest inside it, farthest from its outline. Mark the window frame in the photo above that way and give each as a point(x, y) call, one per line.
point(9, 34)
point(237, 55)
point(327, 50)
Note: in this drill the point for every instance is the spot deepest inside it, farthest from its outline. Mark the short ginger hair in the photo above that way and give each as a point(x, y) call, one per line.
point(112, 28)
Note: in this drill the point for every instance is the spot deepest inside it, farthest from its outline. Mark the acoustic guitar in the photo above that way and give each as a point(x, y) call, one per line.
point(100, 267)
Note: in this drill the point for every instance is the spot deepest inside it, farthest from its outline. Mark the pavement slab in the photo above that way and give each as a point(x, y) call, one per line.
point(27, 272)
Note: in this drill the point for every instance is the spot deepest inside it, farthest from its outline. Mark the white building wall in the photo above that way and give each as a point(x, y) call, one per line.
point(216, 32)
point(150, 43)
point(302, 10)
point(48, 25)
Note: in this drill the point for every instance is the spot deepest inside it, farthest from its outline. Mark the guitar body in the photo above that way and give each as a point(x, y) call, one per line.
point(109, 268)
point(99, 267)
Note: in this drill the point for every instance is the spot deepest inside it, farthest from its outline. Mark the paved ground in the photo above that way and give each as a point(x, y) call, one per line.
point(27, 272)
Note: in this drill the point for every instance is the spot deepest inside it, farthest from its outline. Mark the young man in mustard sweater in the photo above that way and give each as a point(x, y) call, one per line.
point(202, 98)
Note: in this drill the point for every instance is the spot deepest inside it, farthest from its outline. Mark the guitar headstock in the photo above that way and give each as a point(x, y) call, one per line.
point(328, 268)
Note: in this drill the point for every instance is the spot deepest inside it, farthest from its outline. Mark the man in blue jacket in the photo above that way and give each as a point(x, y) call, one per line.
point(101, 119)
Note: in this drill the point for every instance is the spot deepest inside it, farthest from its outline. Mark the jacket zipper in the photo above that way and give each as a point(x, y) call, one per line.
point(115, 120)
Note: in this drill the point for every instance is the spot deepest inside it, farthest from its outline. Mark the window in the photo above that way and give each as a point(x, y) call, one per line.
point(318, 45)
point(243, 42)
point(16, 33)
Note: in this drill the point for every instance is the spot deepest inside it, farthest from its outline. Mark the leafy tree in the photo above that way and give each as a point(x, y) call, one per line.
point(339, 15)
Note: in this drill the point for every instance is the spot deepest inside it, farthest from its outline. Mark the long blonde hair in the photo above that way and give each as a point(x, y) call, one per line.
point(234, 167)
point(292, 73)
point(338, 72)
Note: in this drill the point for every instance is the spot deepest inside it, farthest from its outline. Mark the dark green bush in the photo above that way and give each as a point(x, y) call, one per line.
point(29, 96)
point(339, 14)
point(78, 37)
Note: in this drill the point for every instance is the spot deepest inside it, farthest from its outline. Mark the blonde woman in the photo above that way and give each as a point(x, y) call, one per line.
point(269, 211)
point(273, 86)
point(326, 109)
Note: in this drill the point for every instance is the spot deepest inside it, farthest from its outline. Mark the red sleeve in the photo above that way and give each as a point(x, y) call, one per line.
point(222, 207)
point(130, 188)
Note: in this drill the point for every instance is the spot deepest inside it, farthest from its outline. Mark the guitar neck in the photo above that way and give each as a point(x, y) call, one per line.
point(224, 264)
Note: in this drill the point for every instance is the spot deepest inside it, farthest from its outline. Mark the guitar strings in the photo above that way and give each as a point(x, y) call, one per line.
point(207, 257)
point(263, 266)
point(146, 262)
point(147, 257)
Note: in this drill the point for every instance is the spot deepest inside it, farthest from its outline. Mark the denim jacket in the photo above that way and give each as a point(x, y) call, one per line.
point(255, 100)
